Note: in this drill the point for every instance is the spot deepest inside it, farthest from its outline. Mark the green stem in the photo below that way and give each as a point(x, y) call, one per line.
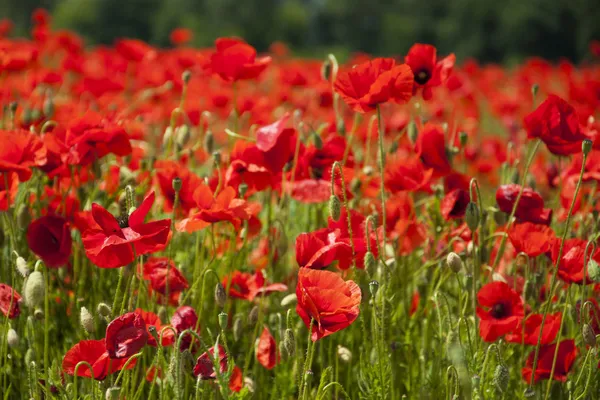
point(382, 176)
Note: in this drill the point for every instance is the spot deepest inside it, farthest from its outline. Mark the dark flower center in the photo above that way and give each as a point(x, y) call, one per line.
point(499, 311)
point(123, 221)
point(422, 77)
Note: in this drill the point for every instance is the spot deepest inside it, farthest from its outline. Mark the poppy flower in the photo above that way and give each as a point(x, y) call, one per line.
point(530, 207)
point(113, 245)
point(533, 323)
point(267, 353)
point(133, 50)
point(571, 264)
point(531, 239)
point(20, 151)
point(49, 237)
point(567, 353)
point(407, 175)
point(318, 249)
point(9, 301)
point(454, 204)
point(9, 186)
point(159, 271)
point(325, 298)
point(243, 285)
point(205, 370)
point(374, 82)
point(94, 352)
point(428, 71)
point(184, 318)
point(235, 60)
point(166, 336)
point(224, 207)
point(431, 149)
point(166, 171)
point(500, 310)
point(277, 143)
point(180, 36)
point(555, 122)
point(126, 335)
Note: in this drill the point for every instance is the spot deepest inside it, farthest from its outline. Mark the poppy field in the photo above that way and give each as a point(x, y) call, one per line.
point(221, 223)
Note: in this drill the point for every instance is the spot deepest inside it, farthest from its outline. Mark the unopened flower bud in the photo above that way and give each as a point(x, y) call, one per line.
point(253, 316)
point(48, 107)
point(22, 267)
point(182, 136)
point(112, 393)
point(34, 289)
point(535, 89)
point(369, 262)
point(176, 183)
point(454, 262)
point(238, 328)
point(289, 342)
point(186, 76)
point(586, 146)
point(589, 337)
point(344, 354)
point(501, 377)
point(373, 288)
point(289, 300)
point(412, 132)
point(326, 69)
point(162, 314)
point(12, 337)
point(242, 189)
point(317, 141)
point(355, 185)
point(38, 314)
point(87, 320)
point(472, 216)
point(335, 207)
point(463, 138)
point(220, 295)
point(223, 320)
point(593, 270)
point(104, 310)
point(29, 356)
point(23, 217)
point(167, 136)
point(249, 384)
point(209, 142)
point(187, 361)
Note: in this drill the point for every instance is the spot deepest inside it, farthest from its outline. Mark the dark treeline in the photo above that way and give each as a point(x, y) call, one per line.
point(491, 31)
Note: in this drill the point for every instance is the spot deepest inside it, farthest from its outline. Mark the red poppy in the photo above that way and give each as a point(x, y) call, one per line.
point(49, 237)
point(205, 370)
point(454, 204)
point(571, 265)
point(184, 318)
point(318, 249)
point(166, 336)
point(126, 335)
point(134, 50)
point(533, 323)
point(113, 245)
point(530, 207)
point(94, 352)
point(502, 313)
point(236, 60)
point(428, 71)
point(248, 286)
point(159, 271)
point(8, 193)
point(224, 207)
point(407, 175)
point(20, 151)
point(567, 353)
point(531, 239)
point(326, 299)
point(179, 36)
point(555, 122)
point(374, 82)
point(10, 301)
point(431, 148)
point(166, 171)
point(277, 143)
point(267, 353)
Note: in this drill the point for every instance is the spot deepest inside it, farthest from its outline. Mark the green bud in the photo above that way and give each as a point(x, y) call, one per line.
point(162, 314)
point(373, 288)
point(454, 262)
point(535, 89)
point(220, 295)
point(23, 217)
point(104, 310)
point(238, 328)
point(463, 138)
point(501, 378)
point(589, 337)
point(289, 342)
point(253, 316)
point(186, 76)
point(326, 69)
point(87, 320)
point(12, 338)
point(242, 189)
point(34, 289)
point(112, 393)
point(187, 361)
point(340, 127)
point(412, 131)
point(217, 157)
point(182, 135)
point(176, 184)
point(593, 270)
point(586, 146)
point(472, 216)
point(48, 107)
point(318, 142)
point(335, 207)
point(370, 262)
point(209, 141)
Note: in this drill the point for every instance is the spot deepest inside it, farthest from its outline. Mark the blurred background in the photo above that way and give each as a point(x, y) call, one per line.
point(489, 30)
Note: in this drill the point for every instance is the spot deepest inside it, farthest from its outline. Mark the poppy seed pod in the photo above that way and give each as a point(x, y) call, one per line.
point(501, 377)
point(472, 216)
point(588, 335)
point(593, 270)
point(103, 310)
point(186, 76)
point(87, 320)
point(454, 262)
point(586, 146)
point(373, 288)
point(12, 338)
point(220, 295)
point(34, 289)
point(335, 207)
point(223, 320)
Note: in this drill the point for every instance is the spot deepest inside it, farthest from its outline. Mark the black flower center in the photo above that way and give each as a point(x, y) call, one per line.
point(422, 77)
point(499, 311)
point(123, 221)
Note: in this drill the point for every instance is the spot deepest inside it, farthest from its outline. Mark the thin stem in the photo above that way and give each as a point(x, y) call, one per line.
point(382, 175)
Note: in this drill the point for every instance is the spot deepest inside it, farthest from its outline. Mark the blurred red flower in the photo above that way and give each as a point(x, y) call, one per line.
point(184, 318)
point(571, 265)
point(49, 237)
point(166, 336)
point(533, 323)
point(428, 71)
point(204, 368)
point(159, 271)
point(94, 352)
point(236, 60)
point(180, 36)
point(10, 301)
point(243, 285)
point(567, 353)
point(126, 335)
point(531, 239)
point(20, 151)
point(267, 353)
point(530, 207)
point(431, 148)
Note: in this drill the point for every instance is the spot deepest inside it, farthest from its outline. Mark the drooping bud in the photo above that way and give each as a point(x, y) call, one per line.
point(104, 310)
point(34, 289)
point(22, 267)
point(344, 354)
point(412, 131)
point(373, 288)
point(586, 146)
point(238, 328)
point(589, 337)
point(289, 342)
point(501, 377)
point(182, 135)
point(23, 216)
point(220, 295)
point(87, 320)
point(289, 300)
point(335, 207)
point(253, 316)
point(593, 270)
point(12, 337)
point(472, 216)
point(223, 320)
point(209, 141)
point(112, 393)
point(454, 262)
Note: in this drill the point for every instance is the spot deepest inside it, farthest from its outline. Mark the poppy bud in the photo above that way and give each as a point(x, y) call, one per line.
point(112, 393)
point(412, 132)
point(586, 146)
point(87, 320)
point(129, 198)
point(463, 138)
point(104, 310)
point(529, 393)
point(253, 316)
point(344, 354)
point(249, 384)
point(454, 262)
point(209, 141)
point(242, 189)
point(176, 183)
point(335, 207)
point(369, 262)
point(355, 185)
point(289, 342)
point(187, 361)
point(373, 288)
point(326, 69)
point(29, 356)
point(34, 289)
point(217, 157)
point(12, 338)
point(238, 327)
point(535, 89)
point(220, 295)
point(22, 267)
point(589, 337)
point(167, 136)
point(289, 300)
point(38, 314)
point(317, 141)
point(500, 218)
point(182, 135)
point(472, 216)
point(393, 147)
point(186, 76)
point(162, 314)
point(48, 107)
point(223, 320)
point(593, 270)
point(501, 378)
point(340, 127)
point(23, 216)
point(515, 177)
